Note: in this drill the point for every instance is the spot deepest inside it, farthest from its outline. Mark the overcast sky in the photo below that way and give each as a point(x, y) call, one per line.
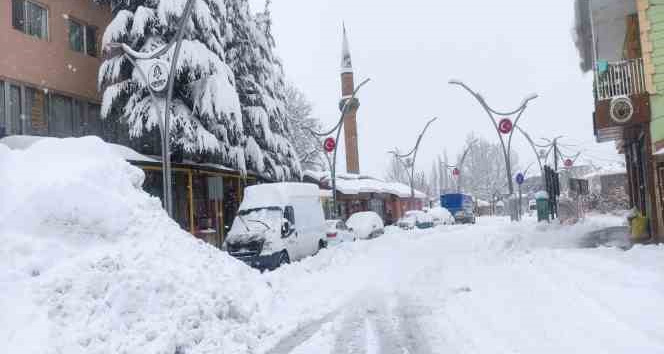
point(506, 50)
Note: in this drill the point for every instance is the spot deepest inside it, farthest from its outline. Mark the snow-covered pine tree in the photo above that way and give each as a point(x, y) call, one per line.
point(206, 112)
point(261, 89)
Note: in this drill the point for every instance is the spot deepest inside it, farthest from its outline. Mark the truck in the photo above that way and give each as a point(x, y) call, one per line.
point(276, 224)
point(460, 205)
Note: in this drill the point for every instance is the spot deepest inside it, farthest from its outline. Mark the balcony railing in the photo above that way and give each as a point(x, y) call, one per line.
point(622, 78)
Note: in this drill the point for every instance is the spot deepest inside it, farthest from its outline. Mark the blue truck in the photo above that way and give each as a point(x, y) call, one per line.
point(461, 206)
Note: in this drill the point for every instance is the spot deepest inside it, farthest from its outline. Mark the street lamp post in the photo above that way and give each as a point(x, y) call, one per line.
point(164, 125)
point(490, 113)
point(337, 128)
point(412, 153)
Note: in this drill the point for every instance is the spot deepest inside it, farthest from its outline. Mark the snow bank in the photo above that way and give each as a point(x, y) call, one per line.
point(89, 263)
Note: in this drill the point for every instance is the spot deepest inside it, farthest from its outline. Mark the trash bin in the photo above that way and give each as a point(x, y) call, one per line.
point(542, 201)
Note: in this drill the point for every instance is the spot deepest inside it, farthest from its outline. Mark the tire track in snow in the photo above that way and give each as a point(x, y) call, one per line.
point(300, 335)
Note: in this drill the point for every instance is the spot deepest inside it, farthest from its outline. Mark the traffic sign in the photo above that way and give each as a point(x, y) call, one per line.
point(456, 172)
point(505, 125)
point(520, 178)
point(329, 144)
point(158, 75)
point(568, 163)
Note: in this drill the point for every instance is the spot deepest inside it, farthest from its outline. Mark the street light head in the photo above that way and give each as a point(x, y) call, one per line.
point(529, 98)
point(455, 82)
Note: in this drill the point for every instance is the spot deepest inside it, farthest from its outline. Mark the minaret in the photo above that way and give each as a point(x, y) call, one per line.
point(350, 120)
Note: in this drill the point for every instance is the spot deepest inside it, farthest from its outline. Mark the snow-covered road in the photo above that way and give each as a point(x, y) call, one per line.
point(98, 267)
point(491, 288)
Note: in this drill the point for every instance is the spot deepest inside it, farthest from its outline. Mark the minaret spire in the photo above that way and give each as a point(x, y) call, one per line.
point(346, 65)
point(350, 119)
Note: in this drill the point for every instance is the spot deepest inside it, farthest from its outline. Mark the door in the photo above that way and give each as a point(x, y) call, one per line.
point(292, 242)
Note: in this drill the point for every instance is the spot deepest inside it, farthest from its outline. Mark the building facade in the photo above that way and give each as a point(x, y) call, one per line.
point(618, 41)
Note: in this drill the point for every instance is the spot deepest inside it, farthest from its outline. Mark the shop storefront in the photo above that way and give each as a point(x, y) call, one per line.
point(205, 198)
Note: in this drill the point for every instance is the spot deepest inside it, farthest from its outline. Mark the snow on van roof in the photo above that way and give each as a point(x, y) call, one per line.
point(349, 183)
point(277, 194)
point(23, 142)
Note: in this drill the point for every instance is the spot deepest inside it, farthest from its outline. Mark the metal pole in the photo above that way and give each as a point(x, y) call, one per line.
point(337, 127)
point(490, 113)
point(165, 124)
point(413, 152)
point(167, 111)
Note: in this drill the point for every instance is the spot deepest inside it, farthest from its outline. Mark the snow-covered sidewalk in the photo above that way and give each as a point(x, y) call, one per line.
point(89, 263)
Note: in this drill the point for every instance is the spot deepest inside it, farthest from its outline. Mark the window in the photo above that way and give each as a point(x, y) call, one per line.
point(36, 108)
point(91, 41)
point(93, 121)
point(61, 122)
point(76, 36)
point(289, 214)
point(15, 111)
point(82, 38)
point(30, 18)
point(3, 132)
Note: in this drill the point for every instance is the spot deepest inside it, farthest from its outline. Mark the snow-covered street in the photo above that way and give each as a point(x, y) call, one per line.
point(113, 274)
point(491, 288)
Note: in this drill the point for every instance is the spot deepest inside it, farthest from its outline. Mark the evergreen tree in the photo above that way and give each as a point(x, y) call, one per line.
point(228, 103)
point(261, 89)
point(206, 115)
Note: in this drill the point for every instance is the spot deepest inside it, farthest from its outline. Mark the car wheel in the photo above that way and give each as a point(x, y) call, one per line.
point(322, 244)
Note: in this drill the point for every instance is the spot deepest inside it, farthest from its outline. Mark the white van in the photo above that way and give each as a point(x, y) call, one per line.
point(277, 223)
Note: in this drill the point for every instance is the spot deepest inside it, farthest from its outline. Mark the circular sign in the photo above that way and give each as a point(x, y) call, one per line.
point(505, 126)
point(456, 172)
point(520, 178)
point(329, 144)
point(158, 75)
point(621, 110)
point(568, 163)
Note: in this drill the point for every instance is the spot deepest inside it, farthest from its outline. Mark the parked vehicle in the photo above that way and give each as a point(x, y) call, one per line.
point(460, 205)
point(416, 218)
point(441, 216)
point(366, 224)
point(338, 232)
point(407, 222)
point(277, 223)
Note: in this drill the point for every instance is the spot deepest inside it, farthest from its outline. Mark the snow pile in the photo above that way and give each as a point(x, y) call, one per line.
point(89, 263)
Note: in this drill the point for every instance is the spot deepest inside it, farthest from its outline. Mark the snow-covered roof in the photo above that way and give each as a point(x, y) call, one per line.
point(22, 142)
point(348, 183)
point(483, 203)
point(277, 194)
point(614, 169)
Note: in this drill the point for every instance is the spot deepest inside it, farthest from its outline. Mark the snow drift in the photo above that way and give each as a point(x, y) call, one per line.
point(89, 263)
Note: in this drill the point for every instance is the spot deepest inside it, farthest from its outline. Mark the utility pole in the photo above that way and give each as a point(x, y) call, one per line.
point(333, 173)
point(155, 84)
point(501, 129)
point(411, 161)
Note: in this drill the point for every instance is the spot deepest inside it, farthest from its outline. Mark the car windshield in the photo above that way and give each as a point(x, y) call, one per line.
point(257, 219)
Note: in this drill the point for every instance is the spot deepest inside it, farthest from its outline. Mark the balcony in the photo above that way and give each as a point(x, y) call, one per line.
point(619, 79)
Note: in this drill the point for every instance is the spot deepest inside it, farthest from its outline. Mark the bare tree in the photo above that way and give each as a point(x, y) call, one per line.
point(484, 169)
point(299, 114)
point(396, 171)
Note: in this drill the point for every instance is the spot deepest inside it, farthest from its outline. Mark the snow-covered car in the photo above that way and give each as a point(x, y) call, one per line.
point(338, 232)
point(420, 219)
point(407, 222)
point(277, 223)
point(366, 224)
point(441, 216)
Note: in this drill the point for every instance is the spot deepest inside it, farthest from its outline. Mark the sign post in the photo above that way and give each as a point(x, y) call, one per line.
point(519, 181)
